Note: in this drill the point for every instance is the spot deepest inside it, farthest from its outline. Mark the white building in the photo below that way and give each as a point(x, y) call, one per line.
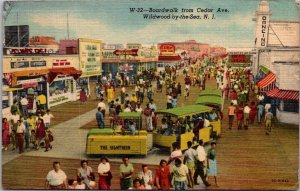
point(277, 62)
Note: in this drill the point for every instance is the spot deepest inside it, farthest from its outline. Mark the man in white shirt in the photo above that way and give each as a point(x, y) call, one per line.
point(24, 103)
point(20, 135)
point(247, 110)
point(47, 118)
point(102, 105)
point(127, 109)
point(14, 120)
point(206, 122)
point(175, 154)
point(152, 105)
point(56, 179)
point(260, 97)
point(267, 107)
point(201, 160)
point(169, 101)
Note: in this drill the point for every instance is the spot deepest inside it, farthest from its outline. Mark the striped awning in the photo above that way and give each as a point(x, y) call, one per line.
point(266, 80)
point(283, 94)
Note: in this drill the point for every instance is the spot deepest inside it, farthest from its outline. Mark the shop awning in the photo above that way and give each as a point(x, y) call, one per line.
point(10, 89)
point(284, 94)
point(15, 75)
point(169, 58)
point(53, 72)
point(264, 69)
point(266, 80)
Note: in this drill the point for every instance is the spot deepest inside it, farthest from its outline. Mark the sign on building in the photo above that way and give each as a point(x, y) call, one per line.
point(167, 49)
point(90, 60)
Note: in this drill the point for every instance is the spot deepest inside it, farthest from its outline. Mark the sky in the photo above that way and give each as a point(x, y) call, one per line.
point(112, 22)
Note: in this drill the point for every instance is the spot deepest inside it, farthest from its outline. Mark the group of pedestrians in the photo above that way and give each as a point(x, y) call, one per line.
point(25, 129)
point(181, 171)
point(247, 102)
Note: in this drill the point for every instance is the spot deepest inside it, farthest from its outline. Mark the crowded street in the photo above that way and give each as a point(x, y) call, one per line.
point(154, 96)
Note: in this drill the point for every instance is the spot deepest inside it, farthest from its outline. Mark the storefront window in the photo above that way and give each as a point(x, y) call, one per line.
point(291, 106)
point(59, 87)
point(5, 100)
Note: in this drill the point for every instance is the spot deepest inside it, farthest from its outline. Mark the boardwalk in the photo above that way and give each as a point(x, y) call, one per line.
point(246, 159)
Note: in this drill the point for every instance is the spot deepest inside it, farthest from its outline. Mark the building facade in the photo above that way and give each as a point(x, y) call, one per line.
point(276, 64)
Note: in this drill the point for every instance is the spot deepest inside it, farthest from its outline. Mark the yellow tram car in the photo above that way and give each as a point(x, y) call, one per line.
point(118, 140)
point(162, 140)
point(215, 101)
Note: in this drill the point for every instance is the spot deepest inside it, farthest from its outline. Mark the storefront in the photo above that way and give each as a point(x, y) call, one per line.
point(7, 100)
point(62, 85)
point(287, 105)
point(29, 83)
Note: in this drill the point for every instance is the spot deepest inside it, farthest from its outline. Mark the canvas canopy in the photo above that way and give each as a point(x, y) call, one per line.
point(211, 92)
point(186, 110)
point(213, 100)
point(129, 115)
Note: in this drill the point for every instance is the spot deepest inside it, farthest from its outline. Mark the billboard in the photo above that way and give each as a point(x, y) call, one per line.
point(167, 49)
point(17, 36)
point(239, 58)
point(90, 61)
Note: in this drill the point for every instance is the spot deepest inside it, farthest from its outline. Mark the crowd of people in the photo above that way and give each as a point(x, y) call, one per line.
point(26, 129)
point(247, 102)
point(180, 171)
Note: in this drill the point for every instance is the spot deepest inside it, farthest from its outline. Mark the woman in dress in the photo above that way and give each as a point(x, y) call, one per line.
point(253, 112)
point(5, 133)
point(104, 174)
point(212, 162)
point(82, 96)
point(40, 132)
point(163, 176)
point(85, 173)
point(240, 116)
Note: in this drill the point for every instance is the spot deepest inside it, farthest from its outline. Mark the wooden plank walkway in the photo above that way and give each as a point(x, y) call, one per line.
point(26, 172)
point(247, 159)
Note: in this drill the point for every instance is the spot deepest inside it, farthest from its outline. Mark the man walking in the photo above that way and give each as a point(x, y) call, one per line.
point(200, 165)
point(181, 175)
point(24, 103)
point(260, 109)
point(189, 160)
point(231, 113)
point(102, 105)
point(99, 118)
point(247, 110)
point(20, 136)
point(268, 122)
point(148, 114)
point(47, 118)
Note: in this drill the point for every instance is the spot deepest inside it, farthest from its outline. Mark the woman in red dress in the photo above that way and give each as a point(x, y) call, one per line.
point(5, 133)
point(163, 175)
point(40, 132)
point(252, 112)
point(82, 97)
point(240, 116)
point(105, 175)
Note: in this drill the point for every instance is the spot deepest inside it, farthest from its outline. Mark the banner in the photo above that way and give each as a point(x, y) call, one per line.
point(90, 61)
point(241, 58)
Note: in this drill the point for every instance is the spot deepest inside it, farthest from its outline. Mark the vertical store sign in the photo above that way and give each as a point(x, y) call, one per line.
point(90, 62)
point(264, 31)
